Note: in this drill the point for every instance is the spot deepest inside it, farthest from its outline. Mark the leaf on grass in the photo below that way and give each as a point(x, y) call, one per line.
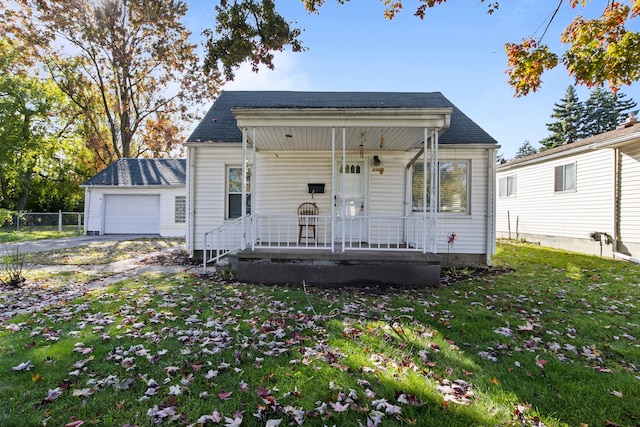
point(263, 392)
point(526, 327)
point(74, 423)
point(616, 393)
point(36, 377)
point(23, 366)
point(215, 417)
point(339, 407)
point(83, 392)
point(232, 422)
point(53, 394)
point(540, 362)
point(225, 395)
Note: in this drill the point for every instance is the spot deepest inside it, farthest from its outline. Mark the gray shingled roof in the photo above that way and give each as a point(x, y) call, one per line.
point(627, 131)
point(219, 124)
point(139, 172)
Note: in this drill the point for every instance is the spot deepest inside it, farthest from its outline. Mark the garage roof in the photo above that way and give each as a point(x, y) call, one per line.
point(141, 172)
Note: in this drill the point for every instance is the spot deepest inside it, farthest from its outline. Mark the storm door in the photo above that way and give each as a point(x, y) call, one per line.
point(351, 202)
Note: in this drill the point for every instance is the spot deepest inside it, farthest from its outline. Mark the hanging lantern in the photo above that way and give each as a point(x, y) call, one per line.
point(381, 139)
point(361, 150)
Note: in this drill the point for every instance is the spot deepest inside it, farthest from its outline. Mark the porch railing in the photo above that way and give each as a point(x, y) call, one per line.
point(285, 231)
point(401, 233)
point(224, 240)
point(360, 233)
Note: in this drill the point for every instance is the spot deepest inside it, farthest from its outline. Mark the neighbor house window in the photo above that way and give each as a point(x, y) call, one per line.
point(507, 186)
point(453, 190)
point(234, 192)
point(565, 177)
point(181, 209)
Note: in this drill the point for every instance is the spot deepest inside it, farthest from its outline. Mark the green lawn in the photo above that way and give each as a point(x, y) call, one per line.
point(552, 338)
point(22, 236)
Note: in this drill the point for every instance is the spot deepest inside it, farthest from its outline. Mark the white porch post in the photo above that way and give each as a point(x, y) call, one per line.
point(243, 241)
point(344, 188)
point(425, 191)
point(333, 189)
point(435, 185)
point(252, 185)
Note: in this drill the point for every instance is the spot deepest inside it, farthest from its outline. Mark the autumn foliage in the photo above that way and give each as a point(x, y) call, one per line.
point(601, 51)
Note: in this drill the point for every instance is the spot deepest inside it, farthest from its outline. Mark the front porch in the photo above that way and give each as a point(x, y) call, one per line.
point(363, 250)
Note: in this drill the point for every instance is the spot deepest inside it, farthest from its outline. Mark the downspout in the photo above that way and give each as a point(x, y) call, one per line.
point(191, 202)
point(491, 205)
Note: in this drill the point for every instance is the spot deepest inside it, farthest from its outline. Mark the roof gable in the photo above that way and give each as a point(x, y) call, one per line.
point(220, 125)
point(142, 172)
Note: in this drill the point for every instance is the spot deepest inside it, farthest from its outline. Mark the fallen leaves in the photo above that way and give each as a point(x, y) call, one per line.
point(25, 366)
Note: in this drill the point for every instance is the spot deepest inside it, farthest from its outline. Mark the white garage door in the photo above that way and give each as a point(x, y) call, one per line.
point(132, 214)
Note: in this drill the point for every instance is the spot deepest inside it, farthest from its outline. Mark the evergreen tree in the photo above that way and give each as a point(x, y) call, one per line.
point(526, 149)
point(604, 111)
point(568, 114)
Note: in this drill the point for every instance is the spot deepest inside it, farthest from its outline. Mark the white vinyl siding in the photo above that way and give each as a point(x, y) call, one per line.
point(95, 209)
point(281, 179)
point(539, 210)
point(630, 197)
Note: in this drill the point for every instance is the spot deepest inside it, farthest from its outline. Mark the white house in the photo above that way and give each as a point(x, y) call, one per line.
point(583, 196)
point(137, 196)
point(360, 158)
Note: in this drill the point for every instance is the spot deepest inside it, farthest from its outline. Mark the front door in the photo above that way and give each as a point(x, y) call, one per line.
point(351, 202)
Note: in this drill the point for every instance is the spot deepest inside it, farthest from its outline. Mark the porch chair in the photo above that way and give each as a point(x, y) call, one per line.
point(307, 217)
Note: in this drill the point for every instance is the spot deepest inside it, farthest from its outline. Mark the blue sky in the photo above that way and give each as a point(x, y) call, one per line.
point(457, 50)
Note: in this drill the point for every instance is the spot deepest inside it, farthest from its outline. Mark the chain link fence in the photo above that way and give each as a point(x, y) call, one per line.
point(43, 221)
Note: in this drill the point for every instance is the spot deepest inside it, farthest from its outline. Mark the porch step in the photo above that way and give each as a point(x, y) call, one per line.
point(323, 268)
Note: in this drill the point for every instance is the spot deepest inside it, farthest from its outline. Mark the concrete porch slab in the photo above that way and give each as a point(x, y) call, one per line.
point(323, 268)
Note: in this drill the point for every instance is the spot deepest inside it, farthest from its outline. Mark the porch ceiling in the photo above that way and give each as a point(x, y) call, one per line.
point(311, 129)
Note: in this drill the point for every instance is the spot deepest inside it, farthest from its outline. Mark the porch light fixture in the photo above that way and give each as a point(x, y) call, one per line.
point(361, 150)
point(381, 139)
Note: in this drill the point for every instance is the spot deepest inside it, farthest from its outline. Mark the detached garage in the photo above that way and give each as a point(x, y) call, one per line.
point(137, 196)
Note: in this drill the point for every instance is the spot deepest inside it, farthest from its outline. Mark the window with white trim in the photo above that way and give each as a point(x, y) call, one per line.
point(565, 177)
point(234, 192)
point(453, 194)
point(507, 186)
point(181, 209)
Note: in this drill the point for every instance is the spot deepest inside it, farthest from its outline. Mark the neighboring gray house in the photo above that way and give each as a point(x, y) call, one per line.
point(137, 196)
point(392, 176)
point(583, 196)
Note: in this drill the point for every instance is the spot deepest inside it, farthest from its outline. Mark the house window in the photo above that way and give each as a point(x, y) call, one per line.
point(507, 186)
point(454, 186)
point(565, 177)
point(234, 192)
point(181, 209)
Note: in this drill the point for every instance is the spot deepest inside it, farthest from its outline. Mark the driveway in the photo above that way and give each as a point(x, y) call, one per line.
point(67, 242)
